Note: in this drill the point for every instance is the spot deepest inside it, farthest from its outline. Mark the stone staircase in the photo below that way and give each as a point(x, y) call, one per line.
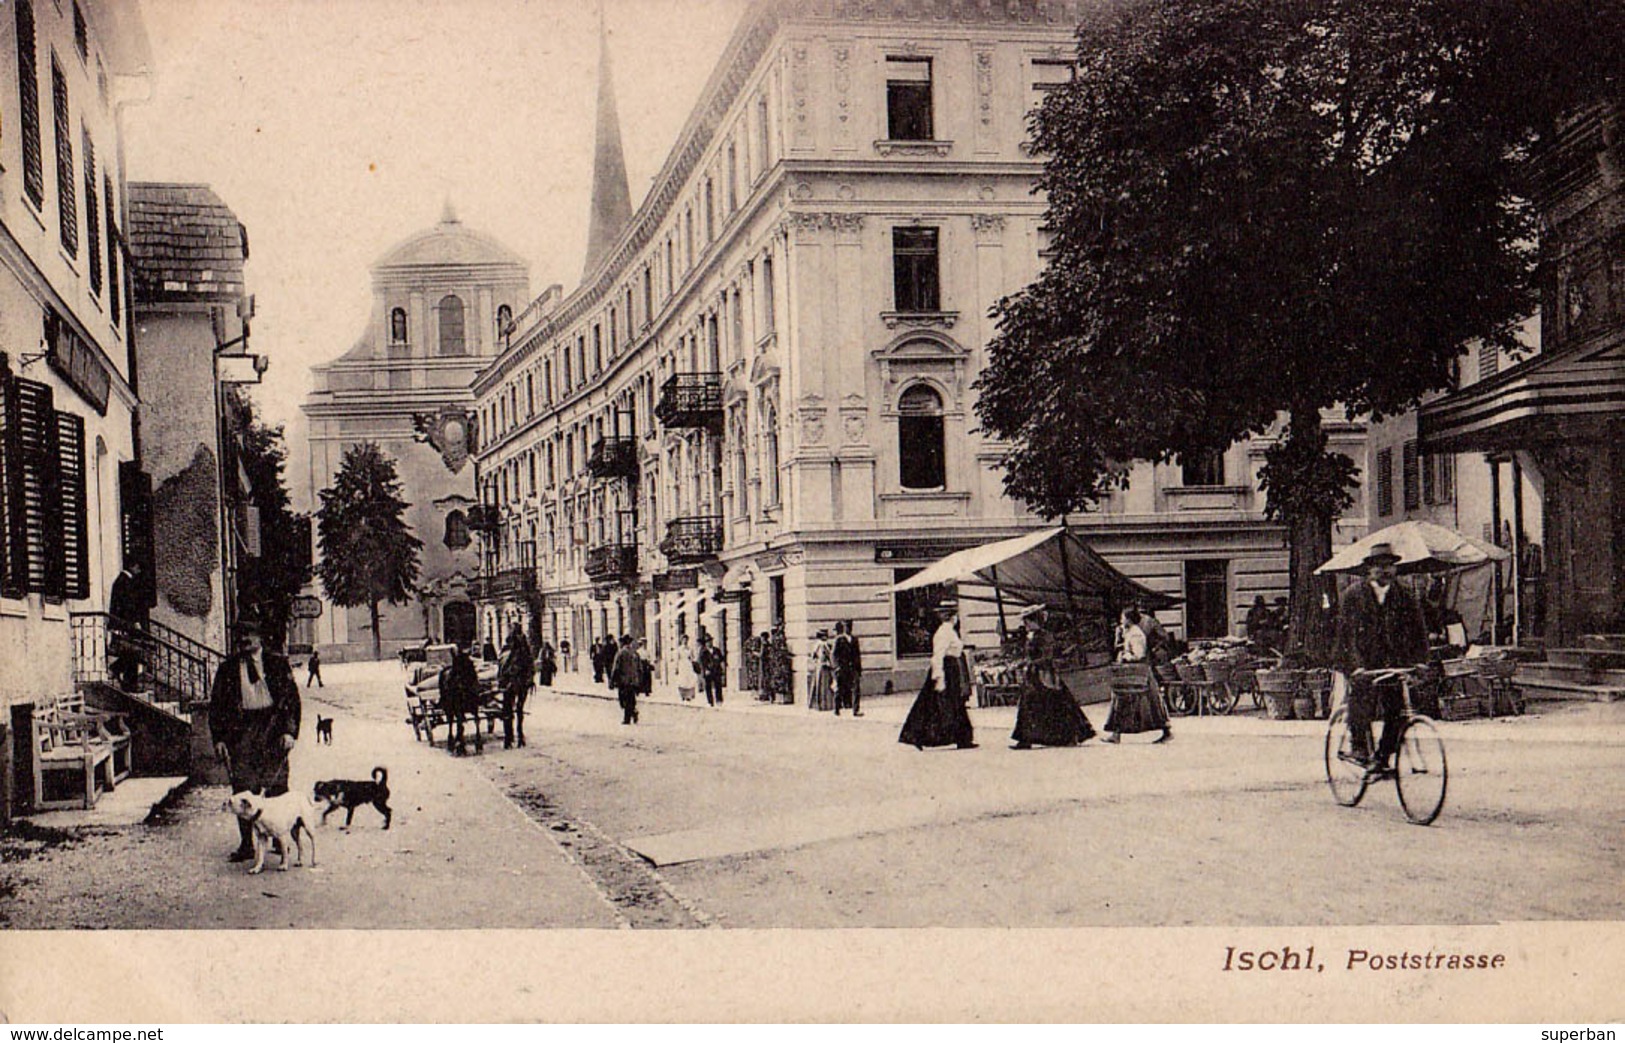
point(1595, 671)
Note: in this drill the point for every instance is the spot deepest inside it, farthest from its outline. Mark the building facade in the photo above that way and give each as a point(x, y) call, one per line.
point(69, 453)
point(757, 410)
point(440, 300)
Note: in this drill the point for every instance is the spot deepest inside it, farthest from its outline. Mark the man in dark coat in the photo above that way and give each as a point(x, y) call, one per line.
point(1379, 625)
point(709, 659)
point(254, 712)
point(514, 677)
point(626, 674)
point(848, 663)
point(127, 623)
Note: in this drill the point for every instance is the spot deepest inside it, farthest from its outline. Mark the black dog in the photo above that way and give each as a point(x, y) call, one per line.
point(324, 729)
point(351, 794)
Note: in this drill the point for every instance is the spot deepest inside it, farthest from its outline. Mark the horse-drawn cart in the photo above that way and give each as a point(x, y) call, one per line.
point(423, 710)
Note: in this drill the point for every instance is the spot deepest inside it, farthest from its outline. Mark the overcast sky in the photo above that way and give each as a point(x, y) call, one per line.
point(336, 128)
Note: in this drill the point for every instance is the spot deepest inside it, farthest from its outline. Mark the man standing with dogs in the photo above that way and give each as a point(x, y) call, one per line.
point(254, 713)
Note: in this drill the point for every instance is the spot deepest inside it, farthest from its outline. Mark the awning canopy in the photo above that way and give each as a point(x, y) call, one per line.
point(1421, 546)
point(1050, 566)
point(1563, 395)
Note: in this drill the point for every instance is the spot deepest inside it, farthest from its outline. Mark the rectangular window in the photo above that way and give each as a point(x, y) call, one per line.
point(42, 495)
point(1444, 484)
point(598, 344)
point(762, 132)
point(769, 321)
point(914, 615)
point(733, 177)
point(530, 394)
point(710, 211)
point(112, 250)
point(28, 103)
point(1048, 74)
point(1204, 467)
point(581, 359)
point(1411, 476)
point(648, 294)
point(1385, 482)
point(93, 228)
point(1207, 600)
point(914, 269)
point(81, 33)
point(908, 99)
point(135, 521)
point(68, 192)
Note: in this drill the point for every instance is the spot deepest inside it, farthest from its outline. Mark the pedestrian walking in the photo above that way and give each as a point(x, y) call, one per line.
point(547, 663)
point(938, 716)
point(254, 713)
point(1047, 715)
point(626, 674)
point(1143, 710)
point(514, 679)
point(821, 673)
point(688, 672)
point(314, 669)
point(566, 658)
point(848, 658)
point(712, 668)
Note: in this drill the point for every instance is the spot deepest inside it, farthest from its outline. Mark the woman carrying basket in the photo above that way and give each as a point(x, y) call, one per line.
point(1140, 710)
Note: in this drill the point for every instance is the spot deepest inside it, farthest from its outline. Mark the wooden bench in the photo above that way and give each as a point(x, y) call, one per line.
point(81, 747)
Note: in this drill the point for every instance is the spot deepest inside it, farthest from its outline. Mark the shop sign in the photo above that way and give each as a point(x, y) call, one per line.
point(676, 579)
point(307, 606)
point(907, 552)
point(76, 362)
point(726, 597)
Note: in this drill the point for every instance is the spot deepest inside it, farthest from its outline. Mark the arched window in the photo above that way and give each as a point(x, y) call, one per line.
point(456, 530)
point(770, 447)
point(921, 463)
point(397, 326)
point(504, 317)
point(451, 326)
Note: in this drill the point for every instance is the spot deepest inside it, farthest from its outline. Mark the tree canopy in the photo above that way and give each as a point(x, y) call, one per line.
point(282, 568)
point(1259, 207)
point(369, 554)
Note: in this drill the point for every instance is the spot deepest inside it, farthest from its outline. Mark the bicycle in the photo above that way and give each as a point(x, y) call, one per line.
point(1421, 773)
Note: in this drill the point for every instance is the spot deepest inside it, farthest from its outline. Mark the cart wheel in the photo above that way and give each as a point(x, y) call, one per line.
point(1221, 698)
point(1181, 700)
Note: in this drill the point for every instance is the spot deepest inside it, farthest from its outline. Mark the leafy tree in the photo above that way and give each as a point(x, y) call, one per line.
point(369, 554)
point(275, 577)
point(1261, 207)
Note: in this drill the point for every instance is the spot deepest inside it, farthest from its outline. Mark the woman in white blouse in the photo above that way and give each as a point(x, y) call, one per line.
point(938, 716)
point(1141, 711)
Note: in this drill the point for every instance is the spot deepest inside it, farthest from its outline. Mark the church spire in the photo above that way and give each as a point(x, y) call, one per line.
point(611, 200)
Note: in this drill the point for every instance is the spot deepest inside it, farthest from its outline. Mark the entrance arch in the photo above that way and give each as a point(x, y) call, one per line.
point(457, 623)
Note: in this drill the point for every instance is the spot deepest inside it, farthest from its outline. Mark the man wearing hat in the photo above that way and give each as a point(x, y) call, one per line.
point(1380, 625)
point(254, 714)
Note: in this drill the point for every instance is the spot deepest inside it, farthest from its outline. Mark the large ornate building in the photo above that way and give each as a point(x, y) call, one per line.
point(440, 300)
point(757, 408)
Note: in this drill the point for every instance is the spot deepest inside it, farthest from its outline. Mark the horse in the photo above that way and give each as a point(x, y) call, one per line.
point(459, 698)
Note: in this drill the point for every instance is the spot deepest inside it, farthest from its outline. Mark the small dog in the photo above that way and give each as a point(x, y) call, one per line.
point(352, 793)
point(276, 820)
point(324, 729)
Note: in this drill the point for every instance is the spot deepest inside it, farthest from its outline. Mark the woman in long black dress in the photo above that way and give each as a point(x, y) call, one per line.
point(1047, 714)
point(938, 717)
point(1142, 710)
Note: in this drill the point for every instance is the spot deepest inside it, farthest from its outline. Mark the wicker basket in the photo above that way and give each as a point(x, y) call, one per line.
point(1279, 682)
point(1500, 668)
point(1190, 673)
point(1461, 707)
point(1218, 671)
point(1279, 706)
point(1459, 667)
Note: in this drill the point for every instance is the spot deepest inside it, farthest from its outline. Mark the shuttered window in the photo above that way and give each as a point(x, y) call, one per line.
point(112, 250)
point(135, 524)
point(1385, 482)
point(42, 473)
point(67, 204)
point(1411, 476)
point(93, 225)
point(28, 103)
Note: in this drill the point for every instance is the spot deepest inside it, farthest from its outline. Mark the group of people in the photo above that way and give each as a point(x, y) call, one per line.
point(700, 668)
point(1266, 625)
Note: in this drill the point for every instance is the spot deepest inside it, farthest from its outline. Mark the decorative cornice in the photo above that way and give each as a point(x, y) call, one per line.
point(919, 319)
point(914, 148)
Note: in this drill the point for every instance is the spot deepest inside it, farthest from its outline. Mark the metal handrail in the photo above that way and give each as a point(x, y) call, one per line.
point(178, 675)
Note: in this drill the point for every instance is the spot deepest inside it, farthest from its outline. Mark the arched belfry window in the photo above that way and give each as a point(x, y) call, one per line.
point(457, 530)
point(504, 317)
point(397, 326)
point(451, 326)
point(920, 454)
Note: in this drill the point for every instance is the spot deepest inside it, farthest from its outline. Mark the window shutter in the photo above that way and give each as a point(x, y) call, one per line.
point(13, 522)
point(67, 204)
point(1410, 476)
point(1385, 482)
point(70, 448)
point(93, 227)
point(28, 103)
point(40, 499)
point(135, 505)
point(1429, 493)
point(112, 250)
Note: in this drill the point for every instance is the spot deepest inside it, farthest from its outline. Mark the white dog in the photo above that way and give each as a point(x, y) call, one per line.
point(276, 818)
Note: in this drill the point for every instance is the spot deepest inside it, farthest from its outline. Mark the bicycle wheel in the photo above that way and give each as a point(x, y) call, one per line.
point(1345, 776)
point(1422, 774)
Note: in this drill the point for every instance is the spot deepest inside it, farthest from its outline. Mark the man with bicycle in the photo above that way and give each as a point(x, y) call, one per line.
point(1379, 625)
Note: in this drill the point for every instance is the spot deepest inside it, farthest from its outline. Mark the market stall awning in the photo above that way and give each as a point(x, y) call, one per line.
point(1421, 546)
point(1050, 566)
point(1547, 396)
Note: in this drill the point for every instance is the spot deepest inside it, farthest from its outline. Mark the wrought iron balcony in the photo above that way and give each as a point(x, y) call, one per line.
point(513, 582)
point(609, 562)
point(691, 400)
point(614, 457)
point(690, 541)
point(484, 517)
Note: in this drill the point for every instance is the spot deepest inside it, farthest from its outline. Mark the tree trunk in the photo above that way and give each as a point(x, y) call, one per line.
point(377, 639)
point(1309, 536)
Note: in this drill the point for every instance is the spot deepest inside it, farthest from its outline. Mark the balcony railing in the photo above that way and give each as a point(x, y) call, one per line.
point(691, 400)
point(484, 517)
point(690, 541)
point(169, 669)
point(609, 562)
point(614, 457)
point(513, 582)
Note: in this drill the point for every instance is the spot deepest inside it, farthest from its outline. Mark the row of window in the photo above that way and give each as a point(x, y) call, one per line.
point(1425, 479)
point(98, 196)
point(453, 325)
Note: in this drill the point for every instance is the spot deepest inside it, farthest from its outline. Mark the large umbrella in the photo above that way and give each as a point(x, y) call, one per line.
point(1050, 566)
point(1421, 546)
